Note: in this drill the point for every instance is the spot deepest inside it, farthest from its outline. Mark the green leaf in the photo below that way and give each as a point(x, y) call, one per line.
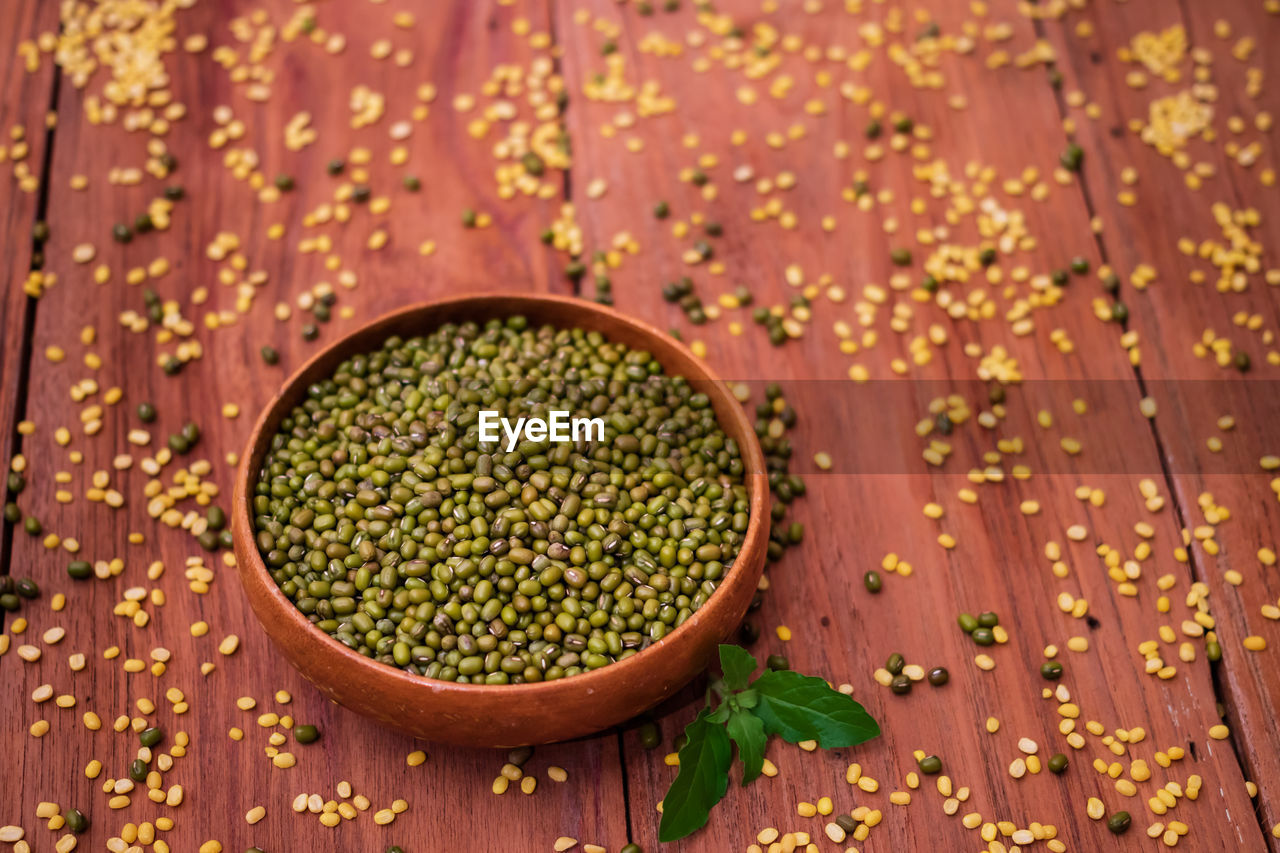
point(746, 730)
point(737, 664)
point(701, 782)
point(800, 707)
point(719, 715)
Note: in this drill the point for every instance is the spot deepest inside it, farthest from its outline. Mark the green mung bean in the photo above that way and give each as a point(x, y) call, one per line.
point(209, 540)
point(306, 734)
point(76, 821)
point(650, 735)
point(930, 765)
point(395, 529)
point(1119, 823)
point(1072, 157)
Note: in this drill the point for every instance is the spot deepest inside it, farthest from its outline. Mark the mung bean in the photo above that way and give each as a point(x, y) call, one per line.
point(395, 529)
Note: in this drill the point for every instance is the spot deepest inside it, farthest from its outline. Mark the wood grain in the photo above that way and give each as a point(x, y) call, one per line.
point(1174, 313)
point(817, 593)
point(24, 101)
point(224, 778)
point(869, 504)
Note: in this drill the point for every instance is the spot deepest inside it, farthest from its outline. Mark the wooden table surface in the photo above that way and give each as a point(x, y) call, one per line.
point(753, 116)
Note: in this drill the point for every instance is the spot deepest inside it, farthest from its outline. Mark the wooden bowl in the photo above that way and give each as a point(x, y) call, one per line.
point(511, 714)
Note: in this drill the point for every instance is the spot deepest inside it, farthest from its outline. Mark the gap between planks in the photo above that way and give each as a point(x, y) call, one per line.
point(1197, 570)
point(25, 348)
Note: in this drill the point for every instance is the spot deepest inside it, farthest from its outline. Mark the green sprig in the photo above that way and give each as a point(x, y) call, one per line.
point(793, 706)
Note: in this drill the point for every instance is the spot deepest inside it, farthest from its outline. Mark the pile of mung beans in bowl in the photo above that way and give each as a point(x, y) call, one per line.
point(508, 592)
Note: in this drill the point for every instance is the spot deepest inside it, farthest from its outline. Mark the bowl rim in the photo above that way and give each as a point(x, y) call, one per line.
point(249, 561)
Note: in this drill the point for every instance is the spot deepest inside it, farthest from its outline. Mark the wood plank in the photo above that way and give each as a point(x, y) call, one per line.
point(1174, 313)
point(24, 100)
point(998, 563)
point(450, 803)
point(839, 631)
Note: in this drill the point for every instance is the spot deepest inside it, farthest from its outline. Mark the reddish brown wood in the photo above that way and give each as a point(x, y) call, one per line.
point(1172, 315)
point(24, 102)
point(449, 796)
point(853, 518)
point(840, 631)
